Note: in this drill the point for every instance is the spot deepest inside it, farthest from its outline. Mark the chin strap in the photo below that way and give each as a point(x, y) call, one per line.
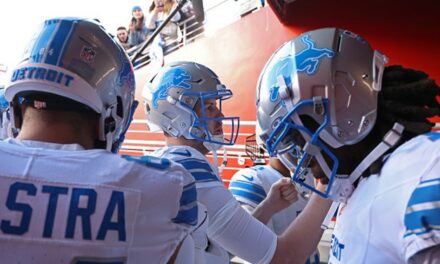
point(343, 186)
point(213, 147)
point(219, 169)
point(224, 162)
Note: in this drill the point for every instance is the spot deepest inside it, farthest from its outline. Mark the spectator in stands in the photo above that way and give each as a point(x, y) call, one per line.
point(188, 23)
point(159, 10)
point(122, 35)
point(61, 182)
point(137, 31)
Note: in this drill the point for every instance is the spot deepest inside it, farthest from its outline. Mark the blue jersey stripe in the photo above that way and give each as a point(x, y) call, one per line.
point(199, 169)
point(423, 220)
point(188, 206)
point(191, 164)
point(420, 232)
point(248, 195)
point(424, 194)
point(187, 216)
point(189, 194)
point(149, 161)
point(200, 176)
point(248, 186)
point(59, 41)
point(42, 41)
point(430, 181)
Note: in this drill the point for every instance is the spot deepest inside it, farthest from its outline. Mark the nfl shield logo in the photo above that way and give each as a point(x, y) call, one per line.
point(87, 54)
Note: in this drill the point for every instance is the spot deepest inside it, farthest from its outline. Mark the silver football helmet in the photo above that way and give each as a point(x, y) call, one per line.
point(317, 90)
point(171, 97)
point(77, 59)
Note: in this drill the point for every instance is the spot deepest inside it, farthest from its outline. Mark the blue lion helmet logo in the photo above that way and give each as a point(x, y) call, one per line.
point(174, 78)
point(306, 61)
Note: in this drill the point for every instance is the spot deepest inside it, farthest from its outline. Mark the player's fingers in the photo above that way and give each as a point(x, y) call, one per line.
point(289, 193)
point(287, 190)
point(291, 197)
point(281, 183)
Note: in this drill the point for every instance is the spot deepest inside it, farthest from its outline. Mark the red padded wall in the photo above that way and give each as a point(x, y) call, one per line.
point(403, 30)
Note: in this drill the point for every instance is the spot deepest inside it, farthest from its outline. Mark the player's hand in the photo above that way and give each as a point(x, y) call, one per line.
point(282, 194)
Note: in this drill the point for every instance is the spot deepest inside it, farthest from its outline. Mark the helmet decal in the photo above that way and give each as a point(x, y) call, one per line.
point(50, 44)
point(274, 93)
point(43, 74)
point(88, 54)
point(308, 59)
point(174, 78)
point(284, 68)
point(126, 73)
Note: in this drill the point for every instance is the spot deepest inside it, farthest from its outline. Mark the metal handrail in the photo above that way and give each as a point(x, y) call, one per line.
point(143, 59)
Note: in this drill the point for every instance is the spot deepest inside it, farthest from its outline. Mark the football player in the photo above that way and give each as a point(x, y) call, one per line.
point(326, 102)
point(185, 101)
point(65, 197)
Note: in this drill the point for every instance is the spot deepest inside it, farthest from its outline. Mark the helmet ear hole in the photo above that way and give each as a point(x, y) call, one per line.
point(119, 107)
point(309, 122)
point(109, 125)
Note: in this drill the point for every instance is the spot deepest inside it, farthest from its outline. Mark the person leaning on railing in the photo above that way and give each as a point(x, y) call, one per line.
point(158, 12)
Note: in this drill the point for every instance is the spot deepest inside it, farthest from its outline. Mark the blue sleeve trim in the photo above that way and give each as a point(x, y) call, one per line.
point(190, 164)
point(427, 191)
point(189, 194)
point(256, 198)
point(248, 186)
point(422, 221)
point(149, 161)
point(188, 206)
point(188, 216)
point(423, 211)
point(199, 169)
point(204, 176)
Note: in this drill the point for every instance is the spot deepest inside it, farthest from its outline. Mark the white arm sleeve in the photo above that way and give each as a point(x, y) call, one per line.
point(235, 229)
point(248, 208)
point(186, 252)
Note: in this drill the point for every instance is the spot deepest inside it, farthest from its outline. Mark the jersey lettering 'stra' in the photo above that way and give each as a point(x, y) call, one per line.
point(64, 212)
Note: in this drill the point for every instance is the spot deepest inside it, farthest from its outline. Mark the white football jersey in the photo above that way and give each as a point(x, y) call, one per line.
point(393, 215)
point(229, 225)
point(64, 204)
point(4, 124)
point(250, 186)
